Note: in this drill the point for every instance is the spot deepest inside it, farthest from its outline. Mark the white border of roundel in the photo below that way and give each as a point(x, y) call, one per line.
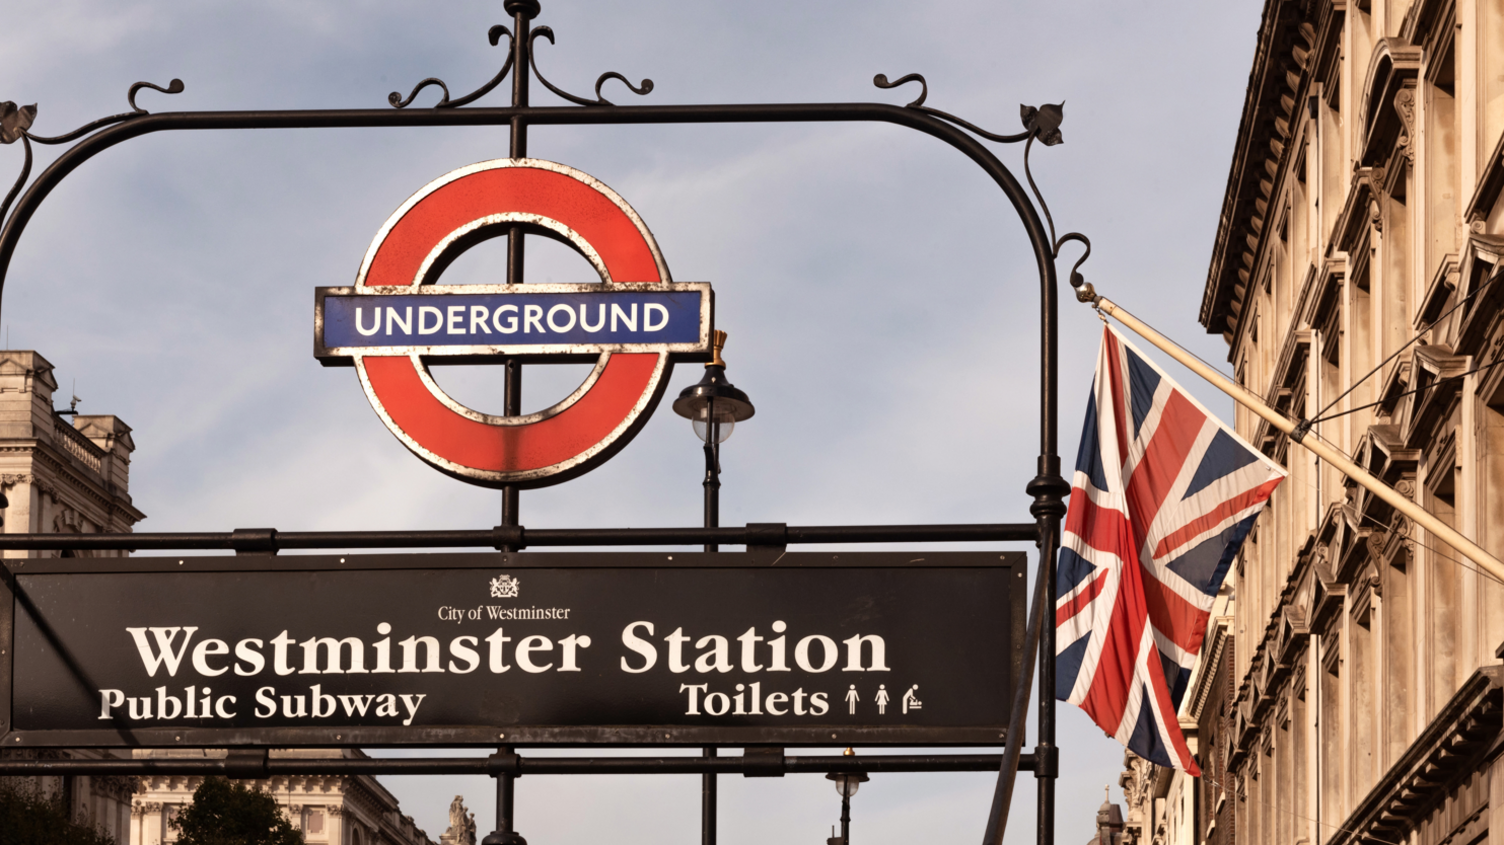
point(556, 472)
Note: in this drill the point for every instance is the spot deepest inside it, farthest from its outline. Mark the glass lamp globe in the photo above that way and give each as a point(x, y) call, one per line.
point(847, 783)
point(704, 423)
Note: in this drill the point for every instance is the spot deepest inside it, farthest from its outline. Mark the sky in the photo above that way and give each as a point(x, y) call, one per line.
point(878, 289)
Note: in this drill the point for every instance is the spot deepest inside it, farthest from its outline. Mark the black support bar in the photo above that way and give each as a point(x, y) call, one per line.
point(267, 540)
point(254, 765)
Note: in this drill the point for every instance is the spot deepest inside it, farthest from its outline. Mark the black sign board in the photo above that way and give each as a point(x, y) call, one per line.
point(771, 647)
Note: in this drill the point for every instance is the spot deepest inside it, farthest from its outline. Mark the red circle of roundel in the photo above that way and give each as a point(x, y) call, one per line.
point(584, 429)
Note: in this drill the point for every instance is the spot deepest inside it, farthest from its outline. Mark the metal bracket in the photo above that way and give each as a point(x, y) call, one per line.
point(767, 536)
point(507, 538)
point(254, 541)
point(246, 764)
point(1046, 761)
point(1300, 431)
point(503, 763)
point(763, 763)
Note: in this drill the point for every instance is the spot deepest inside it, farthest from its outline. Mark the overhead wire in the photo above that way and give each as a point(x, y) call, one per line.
point(1463, 562)
point(1382, 364)
point(1439, 382)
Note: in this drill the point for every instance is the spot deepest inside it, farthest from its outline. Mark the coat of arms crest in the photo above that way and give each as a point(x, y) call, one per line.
point(503, 587)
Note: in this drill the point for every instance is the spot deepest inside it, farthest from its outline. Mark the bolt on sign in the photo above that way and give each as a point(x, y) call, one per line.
point(625, 648)
point(635, 324)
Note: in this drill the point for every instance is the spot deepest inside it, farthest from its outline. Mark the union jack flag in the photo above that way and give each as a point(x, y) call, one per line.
point(1162, 498)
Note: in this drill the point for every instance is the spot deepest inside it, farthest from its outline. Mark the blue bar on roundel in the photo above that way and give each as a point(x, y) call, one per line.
point(614, 316)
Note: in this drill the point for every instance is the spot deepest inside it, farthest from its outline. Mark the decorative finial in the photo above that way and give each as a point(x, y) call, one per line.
point(526, 8)
point(717, 343)
point(1107, 790)
point(848, 753)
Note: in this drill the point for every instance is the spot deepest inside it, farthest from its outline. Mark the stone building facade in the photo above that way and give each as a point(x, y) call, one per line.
point(1165, 806)
point(61, 474)
point(328, 809)
point(64, 474)
point(1206, 710)
point(70, 473)
point(1363, 211)
point(1109, 824)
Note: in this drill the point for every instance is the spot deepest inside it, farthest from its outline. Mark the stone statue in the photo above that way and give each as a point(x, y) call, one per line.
point(461, 824)
point(457, 813)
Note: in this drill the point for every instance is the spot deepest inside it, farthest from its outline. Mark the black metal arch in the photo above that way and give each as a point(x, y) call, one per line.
point(1047, 488)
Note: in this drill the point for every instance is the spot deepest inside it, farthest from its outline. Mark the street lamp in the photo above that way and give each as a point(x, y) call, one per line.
point(714, 406)
point(847, 784)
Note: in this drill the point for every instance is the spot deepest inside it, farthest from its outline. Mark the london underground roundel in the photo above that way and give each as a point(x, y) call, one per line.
point(395, 320)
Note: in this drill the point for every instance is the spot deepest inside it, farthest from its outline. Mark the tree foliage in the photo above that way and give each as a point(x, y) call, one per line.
point(29, 817)
point(225, 813)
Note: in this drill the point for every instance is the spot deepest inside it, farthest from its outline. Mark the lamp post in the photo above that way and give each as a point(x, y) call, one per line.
point(847, 784)
point(714, 406)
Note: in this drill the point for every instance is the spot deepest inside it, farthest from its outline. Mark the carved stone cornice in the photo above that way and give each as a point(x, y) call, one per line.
point(1422, 414)
point(70, 482)
point(1481, 259)
point(1350, 232)
point(1393, 64)
point(1364, 591)
point(1217, 636)
point(1331, 652)
point(1404, 106)
point(1450, 750)
point(1290, 52)
point(1398, 549)
point(1490, 185)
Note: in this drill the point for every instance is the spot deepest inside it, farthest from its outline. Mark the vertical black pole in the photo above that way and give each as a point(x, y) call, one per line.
point(712, 472)
point(522, 12)
point(1047, 755)
point(707, 803)
point(845, 818)
point(712, 520)
point(1049, 491)
point(505, 793)
point(506, 823)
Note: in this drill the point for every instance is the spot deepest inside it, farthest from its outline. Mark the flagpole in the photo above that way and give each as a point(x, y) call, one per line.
point(1252, 402)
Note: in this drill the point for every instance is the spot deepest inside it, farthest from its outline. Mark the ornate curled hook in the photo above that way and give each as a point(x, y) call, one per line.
point(397, 102)
point(494, 36)
point(881, 81)
point(15, 125)
point(1042, 123)
point(1077, 280)
point(642, 89)
point(173, 87)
